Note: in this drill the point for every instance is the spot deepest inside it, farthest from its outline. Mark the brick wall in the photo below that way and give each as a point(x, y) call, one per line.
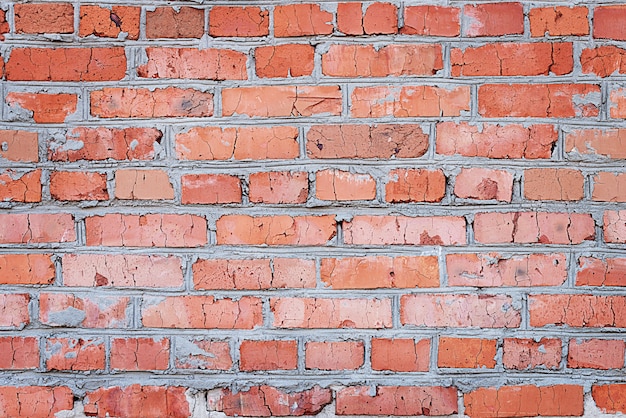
point(277, 208)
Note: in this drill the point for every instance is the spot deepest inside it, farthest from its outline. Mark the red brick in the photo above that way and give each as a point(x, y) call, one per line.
point(610, 398)
point(238, 21)
point(167, 22)
point(617, 103)
point(14, 310)
point(607, 22)
point(496, 141)
point(603, 61)
point(20, 186)
point(34, 228)
point(293, 60)
point(471, 310)
point(202, 354)
point(66, 64)
point(19, 146)
point(275, 230)
point(109, 23)
point(302, 20)
point(596, 354)
point(143, 185)
point(591, 143)
point(19, 353)
point(140, 353)
point(4, 25)
point(403, 230)
point(390, 60)
point(122, 270)
point(401, 354)
point(35, 401)
point(342, 185)
point(494, 19)
point(44, 108)
point(533, 227)
point(484, 184)
point(334, 355)
point(363, 141)
point(122, 102)
point(553, 184)
point(278, 187)
point(598, 272)
point(409, 185)
point(431, 21)
point(539, 100)
point(577, 310)
point(71, 310)
point(350, 18)
point(397, 400)
point(466, 353)
point(380, 18)
point(97, 144)
point(609, 187)
point(151, 230)
point(558, 21)
point(44, 18)
point(409, 101)
point(513, 59)
point(523, 354)
point(525, 401)
point(137, 401)
point(615, 226)
point(75, 354)
point(279, 101)
point(210, 189)
point(201, 312)
point(26, 269)
point(241, 143)
point(293, 272)
point(268, 355)
point(497, 270)
point(190, 63)
point(266, 401)
point(78, 185)
point(331, 313)
point(380, 272)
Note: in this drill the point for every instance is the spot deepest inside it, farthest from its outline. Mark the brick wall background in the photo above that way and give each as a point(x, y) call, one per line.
point(269, 208)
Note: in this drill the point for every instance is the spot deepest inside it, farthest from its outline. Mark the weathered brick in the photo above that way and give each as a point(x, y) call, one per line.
point(35, 401)
point(343, 185)
point(167, 22)
point(558, 21)
point(615, 226)
point(14, 310)
point(26, 269)
point(609, 187)
point(19, 146)
point(110, 22)
point(484, 184)
point(73, 311)
point(350, 18)
point(143, 185)
point(494, 19)
point(380, 18)
point(140, 353)
point(409, 185)
point(596, 354)
point(523, 353)
point(190, 63)
point(78, 185)
point(577, 310)
point(238, 21)
point(22, 228)
point(553, 184)
point(301, 20)
point(467, 353)
point(44, 18)
point(44, 107)
point(400, 354)
point(278, 187)
point(603, 61)
point(617, 103)
point(595, 143)
point(18, 186)
point(19, 353)
point(268, 355)
point(202, 354)
point(610, 398)
point(292, 60)
point(431, 20)
point(601, 272)
point(275, 230)
point(334, 355)
point(137, 400)
point(75, 354)
point(210, 189)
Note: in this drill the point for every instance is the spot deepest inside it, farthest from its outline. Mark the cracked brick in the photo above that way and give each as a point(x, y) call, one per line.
point(78, 185)
point(20, 186)
point(167, 22)
point(19, 353)
point(238, 21)
point(18, 145)
point(268, 355)
point(33, 18)
point(526, 354)
point(190, 63)
point(334, 355)
point(430, 20)
point(292, 60)
point(143, 185)
point(578, 310)
point(553, 184)
point(401, 354)
point(106, 22)
point(28, 269)
point(278, 187)
point(302, 20)
point(140, 353)
point(44, 107)
point(410, 185)
point(137, 400)
point(340, 185)
point(75, 354)
point(74, 311)
point(466, 353)
point(593, 271)
point(21, 228)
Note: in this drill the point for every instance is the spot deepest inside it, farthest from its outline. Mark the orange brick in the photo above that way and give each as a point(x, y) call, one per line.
point(143, 185)
point(202, 354)
point(609, 187)
point(136, 400)
point(268, 355)
point(331, 313)
point(401, 354)
point(403, 230)
point(140, 353)
point(301, 20)
point(231, 274)
point(280, 101)
point(71, 310)
point(4, 26)
point(466, 353)
point(293, 60)
point(359, 400)
point(596, 354)
point(210, 189)
point(19, 146)
point(167, 22)
point(14, 310)
point(22, 228)
point(523, 354)
point(278, 187)
point(334, 355)
point(606, 22)
point(390, 60)
point(598, 272)
point(409, 101)
point(553, 184)
point(484, 184)
point(408, 185)
point(494, 19)
point(577, 310)
point(241, 143)
point(78, 185)
point(44, 18)
point(558, 21)
point(190, 63)
point(19, 353)
point(79, 64)
point(350, 18)
point(464, 311)
point(380, 18)
point(342, 185)
point(591, 143)
point(20, 186)
point(26, 269)
point(615, 226)
point(238, 21)
point(431, 21)
point(603, 61)
point(35, 401)
point(610, 398)
point(44, 108)
point(109, 23)
point(75, 354)
point(380, 272)
point(275, 230)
